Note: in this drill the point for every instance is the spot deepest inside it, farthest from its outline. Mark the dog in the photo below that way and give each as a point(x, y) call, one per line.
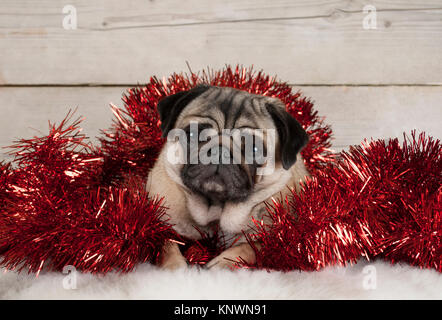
point(204, 183)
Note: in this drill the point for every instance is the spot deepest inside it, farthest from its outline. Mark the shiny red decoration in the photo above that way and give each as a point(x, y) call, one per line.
point(66, 202)
point(55, 212)
point(379, 200)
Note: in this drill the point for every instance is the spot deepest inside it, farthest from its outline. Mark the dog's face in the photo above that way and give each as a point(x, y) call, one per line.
point(227, 138)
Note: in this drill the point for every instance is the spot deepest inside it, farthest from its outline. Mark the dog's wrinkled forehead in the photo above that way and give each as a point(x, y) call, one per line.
point(228, 108)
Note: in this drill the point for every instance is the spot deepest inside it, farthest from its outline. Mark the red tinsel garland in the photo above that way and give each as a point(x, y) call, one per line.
point(64, 202)
point(55, 213)
point(379, 199)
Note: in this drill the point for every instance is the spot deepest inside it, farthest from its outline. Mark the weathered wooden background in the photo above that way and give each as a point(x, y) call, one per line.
point(368, 83)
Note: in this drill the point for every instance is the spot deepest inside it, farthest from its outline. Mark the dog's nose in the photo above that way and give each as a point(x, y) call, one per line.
point(223, 153)
point(202, 171)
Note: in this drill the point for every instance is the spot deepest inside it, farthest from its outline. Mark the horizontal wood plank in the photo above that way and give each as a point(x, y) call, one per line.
point(355, 113)
point(303, 42)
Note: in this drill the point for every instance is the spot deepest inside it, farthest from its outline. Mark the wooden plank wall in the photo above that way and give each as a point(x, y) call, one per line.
point(368, 83)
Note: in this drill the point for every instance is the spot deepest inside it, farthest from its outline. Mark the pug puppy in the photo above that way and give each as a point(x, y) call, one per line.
point(227, 153)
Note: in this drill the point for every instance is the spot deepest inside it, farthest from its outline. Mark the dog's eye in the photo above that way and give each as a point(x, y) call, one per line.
point(259, 154)
point(254, 149)
point(258, 150)
point(198, 131)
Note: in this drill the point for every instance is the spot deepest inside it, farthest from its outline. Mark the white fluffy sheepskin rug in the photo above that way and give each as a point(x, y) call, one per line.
point(377, 280)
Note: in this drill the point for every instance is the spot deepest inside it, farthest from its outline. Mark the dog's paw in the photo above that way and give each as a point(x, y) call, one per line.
point(222, 262)
point(174, 263)
point(233, 257)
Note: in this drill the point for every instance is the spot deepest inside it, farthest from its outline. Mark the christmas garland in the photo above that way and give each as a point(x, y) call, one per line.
point(66, 202)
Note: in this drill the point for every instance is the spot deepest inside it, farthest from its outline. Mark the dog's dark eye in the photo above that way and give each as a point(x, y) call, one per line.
point(259, 150)
point(193, 131)
point(253, 149)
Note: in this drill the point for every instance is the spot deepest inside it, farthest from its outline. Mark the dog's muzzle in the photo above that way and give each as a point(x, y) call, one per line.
point(220, 182)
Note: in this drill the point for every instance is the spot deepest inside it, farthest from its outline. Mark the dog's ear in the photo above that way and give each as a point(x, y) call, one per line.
point(171, 106)
point(292, 136)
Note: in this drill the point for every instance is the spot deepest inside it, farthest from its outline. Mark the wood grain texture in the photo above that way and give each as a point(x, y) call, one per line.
point(26, 111)
point(303, 42)
point(355, 113)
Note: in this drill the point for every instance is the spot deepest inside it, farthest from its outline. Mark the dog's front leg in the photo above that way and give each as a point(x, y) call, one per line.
point(171, 257)
point(229, 257)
